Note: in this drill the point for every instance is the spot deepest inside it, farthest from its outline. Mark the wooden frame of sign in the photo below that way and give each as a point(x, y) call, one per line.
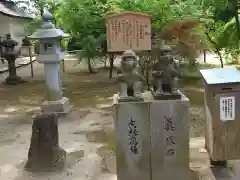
point(128, 30)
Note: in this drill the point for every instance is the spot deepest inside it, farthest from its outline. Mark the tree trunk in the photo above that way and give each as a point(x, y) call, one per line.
point(90, 68)
point(220, 57)
point(105, 62)
point(111, 59)
point(41, 8)
point(204, 56)
point(192, 61)
point(217, 50)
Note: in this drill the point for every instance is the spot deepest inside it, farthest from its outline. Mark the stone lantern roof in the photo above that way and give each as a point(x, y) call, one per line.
point(48, 30)
point(8, 8)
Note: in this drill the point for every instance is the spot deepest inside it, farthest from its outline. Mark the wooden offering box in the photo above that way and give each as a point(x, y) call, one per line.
point(222, 113)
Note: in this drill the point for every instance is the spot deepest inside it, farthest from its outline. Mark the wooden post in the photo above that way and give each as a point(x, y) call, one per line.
point(31, 65)
point(204, 56)
point(63, 66)
point(111, 59)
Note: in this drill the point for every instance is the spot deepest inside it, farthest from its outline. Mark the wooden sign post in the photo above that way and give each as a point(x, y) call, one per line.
point(128, 30)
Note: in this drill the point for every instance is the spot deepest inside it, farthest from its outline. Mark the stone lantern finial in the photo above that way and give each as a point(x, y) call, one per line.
point(47, 16)
point(47, 20)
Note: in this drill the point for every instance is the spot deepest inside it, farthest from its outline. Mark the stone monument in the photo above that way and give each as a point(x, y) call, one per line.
point(10, 55)
point(130, 78)
point(152, 137)
point(165, 74)
point(51, 56)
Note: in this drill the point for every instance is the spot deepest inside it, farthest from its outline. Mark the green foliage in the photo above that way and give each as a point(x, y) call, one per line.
point(229, 35)
point(64, 44)
point(31, 26)
point(85, 21)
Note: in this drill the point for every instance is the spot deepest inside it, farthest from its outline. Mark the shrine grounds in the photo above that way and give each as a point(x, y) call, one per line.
point(87, 133)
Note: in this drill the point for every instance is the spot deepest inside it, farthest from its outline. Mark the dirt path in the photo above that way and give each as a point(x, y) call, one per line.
point(80, 135)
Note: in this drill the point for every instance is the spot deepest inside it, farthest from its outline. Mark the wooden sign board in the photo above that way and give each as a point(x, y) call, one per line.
point(128, 30)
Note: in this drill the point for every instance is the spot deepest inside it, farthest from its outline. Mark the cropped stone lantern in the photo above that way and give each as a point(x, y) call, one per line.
point(51, 56)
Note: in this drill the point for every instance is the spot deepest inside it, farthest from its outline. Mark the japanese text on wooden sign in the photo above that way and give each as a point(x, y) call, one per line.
point(170, 138)
point(128, 30)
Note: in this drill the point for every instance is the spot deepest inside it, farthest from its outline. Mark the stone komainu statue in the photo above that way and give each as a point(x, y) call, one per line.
point(130, 77)
point(165, 73)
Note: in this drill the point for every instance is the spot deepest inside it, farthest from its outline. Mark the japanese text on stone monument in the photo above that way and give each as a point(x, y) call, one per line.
point(169, 137)
point(132, 134)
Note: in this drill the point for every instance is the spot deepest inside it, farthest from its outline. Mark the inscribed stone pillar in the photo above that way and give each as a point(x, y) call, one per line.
point(132, 140)
point(169, 138)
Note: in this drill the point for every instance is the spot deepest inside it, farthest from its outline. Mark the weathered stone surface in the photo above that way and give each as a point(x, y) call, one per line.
point(60, 107)
point(44, 152)
point(132, 140)
point(169, 139)
point(152, 139)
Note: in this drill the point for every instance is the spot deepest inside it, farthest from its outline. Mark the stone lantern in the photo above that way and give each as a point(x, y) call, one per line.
point(51, 56)
point(10, 55)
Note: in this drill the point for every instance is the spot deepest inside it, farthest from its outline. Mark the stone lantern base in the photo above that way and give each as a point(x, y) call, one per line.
point(60, 107)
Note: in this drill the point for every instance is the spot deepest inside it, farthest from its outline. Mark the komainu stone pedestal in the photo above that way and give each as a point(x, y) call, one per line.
point(132, 140)
point(44, 152)
point(152, 139)
point(169, 138)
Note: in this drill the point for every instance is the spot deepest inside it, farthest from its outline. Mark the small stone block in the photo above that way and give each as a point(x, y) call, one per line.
point(130, 99)
point(59, 107)
point(166, 96)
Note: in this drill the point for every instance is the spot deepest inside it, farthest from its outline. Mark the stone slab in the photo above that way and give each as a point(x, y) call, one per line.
point(165, 96)
point(130, 99)
point(60, 107)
